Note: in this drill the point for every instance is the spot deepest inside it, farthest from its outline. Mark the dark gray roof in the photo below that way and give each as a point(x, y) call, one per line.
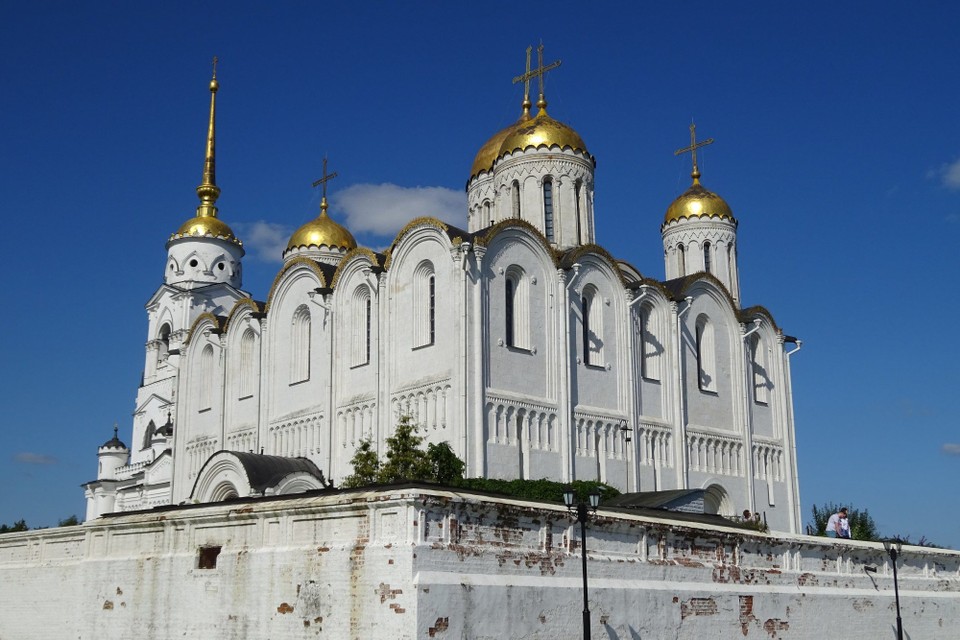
point(654, 499)
point(265, 471)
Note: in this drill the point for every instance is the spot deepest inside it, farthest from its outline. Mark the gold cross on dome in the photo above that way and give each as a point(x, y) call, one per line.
point(214, 67)
point(327, 177)
point(539, 72)
point(694, 145)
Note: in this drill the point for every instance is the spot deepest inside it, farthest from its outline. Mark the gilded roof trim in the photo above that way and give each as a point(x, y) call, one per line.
point(684, 283)
point(574, 254)
point(484, 239)
point(410, 226)
point(238, 306)
point(748, 314)
point(218, 322)
point(359, 251)
point(313, 265)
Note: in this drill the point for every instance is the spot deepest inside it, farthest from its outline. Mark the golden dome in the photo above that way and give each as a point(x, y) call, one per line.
point(697, 202)
point(490, 151)
point(542, 130)
point(206, 227)
point(322, 231)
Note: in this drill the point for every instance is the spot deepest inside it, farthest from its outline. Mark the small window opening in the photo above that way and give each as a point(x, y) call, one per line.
point(220, 266)
point(548, 209)
point(194, 262)
point(207, 557)
point(707, 260)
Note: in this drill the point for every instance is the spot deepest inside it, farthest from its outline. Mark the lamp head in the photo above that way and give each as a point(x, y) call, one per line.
point(568, 496)
point(594, 499)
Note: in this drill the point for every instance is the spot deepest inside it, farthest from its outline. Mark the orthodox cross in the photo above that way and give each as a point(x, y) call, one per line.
point(539, 72)
point(525, 78)
point(214, 67)
point(694, 145)
point(327, 177)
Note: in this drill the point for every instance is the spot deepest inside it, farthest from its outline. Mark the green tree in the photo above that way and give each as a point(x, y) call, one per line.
point(406, 460)
point(445, 467)
point(68, 522)
point(366, 466)
point(862, 526)
point(19, 525)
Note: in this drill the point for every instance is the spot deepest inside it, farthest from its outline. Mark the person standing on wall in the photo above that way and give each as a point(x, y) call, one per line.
point(833, 524)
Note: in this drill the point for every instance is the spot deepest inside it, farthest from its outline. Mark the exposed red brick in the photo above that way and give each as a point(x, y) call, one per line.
point(284, 608)
point(442, 624)
point(698, 607)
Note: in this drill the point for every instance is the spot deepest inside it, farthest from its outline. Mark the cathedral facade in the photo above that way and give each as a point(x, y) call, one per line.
point(518, 340)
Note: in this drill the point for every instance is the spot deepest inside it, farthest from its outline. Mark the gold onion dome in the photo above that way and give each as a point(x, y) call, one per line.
point(539, 131)
point(205, 226)
point(698, 202)
point(322, 231)
point(490, 151)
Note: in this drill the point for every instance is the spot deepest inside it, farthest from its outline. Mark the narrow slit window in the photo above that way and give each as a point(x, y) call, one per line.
point(548, 209)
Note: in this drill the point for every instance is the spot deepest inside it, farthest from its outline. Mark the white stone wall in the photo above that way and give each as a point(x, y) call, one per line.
point(421, 563)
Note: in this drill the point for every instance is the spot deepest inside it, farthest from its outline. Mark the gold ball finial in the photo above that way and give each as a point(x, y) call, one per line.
point(214, 85)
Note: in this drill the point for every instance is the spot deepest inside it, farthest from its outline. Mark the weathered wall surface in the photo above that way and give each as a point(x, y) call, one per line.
point(422, 563)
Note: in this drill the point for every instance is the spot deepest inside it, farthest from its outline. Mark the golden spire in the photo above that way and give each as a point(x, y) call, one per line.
point(539, 72)
point(208, 191)
point(327, 177)
point(694, 145)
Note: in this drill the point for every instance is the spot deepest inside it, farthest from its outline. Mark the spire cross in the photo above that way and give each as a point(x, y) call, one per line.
point(694, 145)
point(539, 72)
point(327, 177)
point(214, 67)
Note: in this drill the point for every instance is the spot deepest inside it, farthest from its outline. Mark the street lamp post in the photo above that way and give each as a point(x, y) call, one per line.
point(893, 548)
point(583, 510)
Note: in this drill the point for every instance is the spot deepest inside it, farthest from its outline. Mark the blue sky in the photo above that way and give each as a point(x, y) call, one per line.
point(836, 147)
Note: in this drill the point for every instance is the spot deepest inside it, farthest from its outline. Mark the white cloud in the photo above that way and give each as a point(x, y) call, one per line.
point(951, 448)
point(950, 175)
point(383, 209)
point(27, 457)
point(264, 241)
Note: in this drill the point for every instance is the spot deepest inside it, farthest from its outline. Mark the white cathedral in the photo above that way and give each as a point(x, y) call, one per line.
point(519, 341)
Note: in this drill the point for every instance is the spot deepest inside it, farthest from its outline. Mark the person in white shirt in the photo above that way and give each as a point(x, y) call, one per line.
point(844, 524)
point(833, 524)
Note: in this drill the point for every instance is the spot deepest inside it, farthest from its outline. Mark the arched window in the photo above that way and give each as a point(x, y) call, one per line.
point(515, 194)
point(651, 347)
point(761, 379)
point(707, 260)
point(148, 434)
point(548, 209)
point(706, 355)
point(517, 308)
point(206, 378)
point(300, 345)
point(577, 187)
point(424, 305)
point(731, 270)
point(163, 346)
point(485, 222)
point(592, 324)
point(681, 261)
point(246, 383)
point(362, 320)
